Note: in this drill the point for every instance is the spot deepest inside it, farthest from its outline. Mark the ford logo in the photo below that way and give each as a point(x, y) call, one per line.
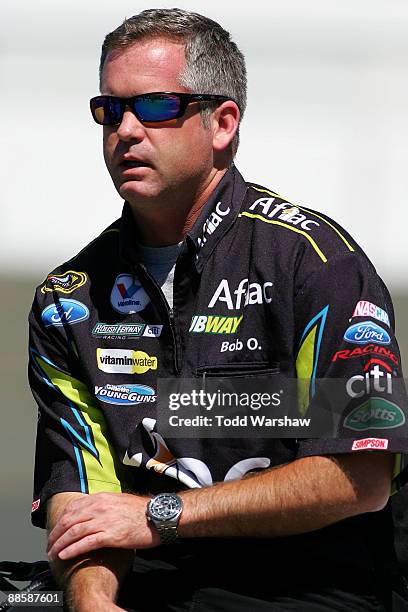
point(125, 395)
point(66, 312)
point(366, 332)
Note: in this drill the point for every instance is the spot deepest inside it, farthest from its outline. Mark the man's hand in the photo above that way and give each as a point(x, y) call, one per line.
point(101, 520)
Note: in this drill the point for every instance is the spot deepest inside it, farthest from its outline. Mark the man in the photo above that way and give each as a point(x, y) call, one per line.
point(206, 275)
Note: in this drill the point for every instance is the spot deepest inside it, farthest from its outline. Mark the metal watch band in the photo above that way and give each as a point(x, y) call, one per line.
point(168, 533)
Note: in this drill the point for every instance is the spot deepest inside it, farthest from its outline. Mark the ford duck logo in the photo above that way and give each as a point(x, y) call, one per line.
point(125, 395)
point(366, 332)
point(66, 312)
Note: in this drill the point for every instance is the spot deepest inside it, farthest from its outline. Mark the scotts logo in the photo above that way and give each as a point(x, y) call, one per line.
point(213, 221)
point(126, 330)
point(370, 443)
point(366, 332)
point(65, 283)
point(128, 296)
point(370, 349)
point(214, 324)
point(245, 294)
point(285, 212)
point(373, 380)
point(375, 413)
point(367, 309)
point(125, 395)
point(66, 312)
point(118, 361)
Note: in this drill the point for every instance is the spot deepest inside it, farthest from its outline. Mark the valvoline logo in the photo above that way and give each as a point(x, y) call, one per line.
point(66, 312)
point(125, 395)
point(128, 296)
point(366, 332)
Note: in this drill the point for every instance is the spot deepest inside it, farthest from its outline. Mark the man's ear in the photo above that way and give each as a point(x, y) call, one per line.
point(225, 125)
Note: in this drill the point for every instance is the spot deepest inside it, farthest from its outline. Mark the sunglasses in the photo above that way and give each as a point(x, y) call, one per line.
point(151, 107)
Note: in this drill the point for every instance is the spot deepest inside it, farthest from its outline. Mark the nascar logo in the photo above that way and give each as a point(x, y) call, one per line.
point(65, 283)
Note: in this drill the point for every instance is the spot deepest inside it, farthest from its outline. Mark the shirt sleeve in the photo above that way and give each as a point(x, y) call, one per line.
point(73, 450)
point(347, 359)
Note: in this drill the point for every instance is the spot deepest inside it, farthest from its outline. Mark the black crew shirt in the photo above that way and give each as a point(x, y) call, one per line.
point(260, 285)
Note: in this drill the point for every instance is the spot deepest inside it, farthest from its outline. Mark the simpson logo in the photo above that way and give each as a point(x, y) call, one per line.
point(376, 413)
point(128, 296)
point(212, 222)
point(64, 283)
point(125, 395)
point(370, 349)
point(35, 505)
point(118, 361)
point(367, 309)
point(244, 294)
point(214, 324)
point(283, 211)
point(370, 443)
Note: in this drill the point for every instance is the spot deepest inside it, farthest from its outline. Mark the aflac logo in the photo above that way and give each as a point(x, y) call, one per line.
point(366, 332)
point(66, 312)
point(125, 395)
point(128, 296)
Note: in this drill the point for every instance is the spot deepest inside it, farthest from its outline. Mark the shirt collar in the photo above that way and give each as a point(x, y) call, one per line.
point(216, 217)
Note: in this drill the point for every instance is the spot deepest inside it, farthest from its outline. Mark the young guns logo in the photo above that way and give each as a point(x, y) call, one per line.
point(284, 212)
point(244, 295)
point(125, 395)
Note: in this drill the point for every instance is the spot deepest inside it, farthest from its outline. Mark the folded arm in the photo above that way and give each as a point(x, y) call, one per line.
point(298, 497)
point(90, 581)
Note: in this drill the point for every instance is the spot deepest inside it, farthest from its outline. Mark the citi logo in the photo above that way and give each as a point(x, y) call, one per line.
point(244, 295)
point(373, 380)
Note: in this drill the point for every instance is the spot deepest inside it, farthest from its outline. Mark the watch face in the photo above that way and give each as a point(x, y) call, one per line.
point(165, 506)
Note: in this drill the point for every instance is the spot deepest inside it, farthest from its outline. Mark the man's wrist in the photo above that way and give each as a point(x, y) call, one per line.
point(164, 511)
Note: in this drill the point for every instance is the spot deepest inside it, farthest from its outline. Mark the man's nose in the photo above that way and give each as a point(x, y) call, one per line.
point(130, 128)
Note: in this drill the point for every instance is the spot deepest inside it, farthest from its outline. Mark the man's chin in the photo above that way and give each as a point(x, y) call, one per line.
point(137, 190)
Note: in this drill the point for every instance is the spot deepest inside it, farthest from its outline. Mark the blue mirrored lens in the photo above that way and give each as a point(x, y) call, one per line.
point(107, 111)
point(157, 108)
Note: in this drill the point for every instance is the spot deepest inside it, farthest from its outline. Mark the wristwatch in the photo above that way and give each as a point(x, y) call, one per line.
point(164, 510)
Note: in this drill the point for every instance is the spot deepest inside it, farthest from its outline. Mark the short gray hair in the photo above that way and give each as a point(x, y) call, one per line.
point(214, 64)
